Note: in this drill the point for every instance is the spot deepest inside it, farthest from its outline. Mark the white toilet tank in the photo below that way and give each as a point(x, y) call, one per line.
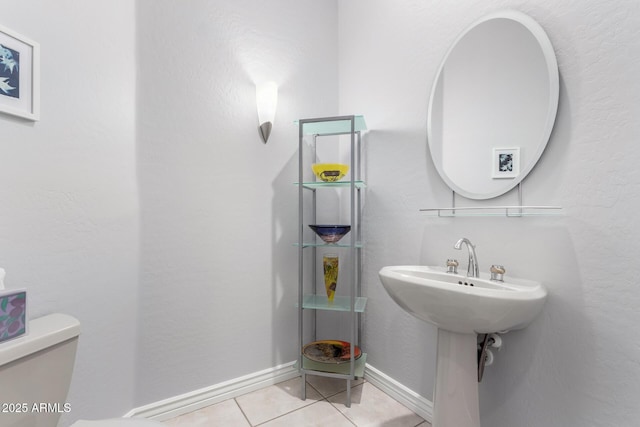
point(35, 372)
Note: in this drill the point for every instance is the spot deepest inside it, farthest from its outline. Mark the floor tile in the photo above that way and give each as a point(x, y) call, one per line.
point(280, 406)
point(225, 413)
point(319, 414)
point(330, 386)
point(276, 400)
point(371, 407)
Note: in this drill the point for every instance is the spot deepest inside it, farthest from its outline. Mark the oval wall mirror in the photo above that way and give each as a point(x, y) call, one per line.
point(493, 105)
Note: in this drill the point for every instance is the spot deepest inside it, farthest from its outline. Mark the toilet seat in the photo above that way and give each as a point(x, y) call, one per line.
point(117, 422)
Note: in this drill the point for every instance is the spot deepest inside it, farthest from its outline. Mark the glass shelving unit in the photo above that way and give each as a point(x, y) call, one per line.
point(311, 296)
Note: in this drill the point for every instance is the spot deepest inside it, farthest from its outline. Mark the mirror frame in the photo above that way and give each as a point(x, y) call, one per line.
point(551, 65)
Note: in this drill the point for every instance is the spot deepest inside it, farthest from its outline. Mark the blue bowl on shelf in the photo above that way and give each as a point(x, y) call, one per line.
point(331, 233)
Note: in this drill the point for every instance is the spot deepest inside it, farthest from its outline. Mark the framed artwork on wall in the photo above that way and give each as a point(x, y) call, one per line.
point(505, 163)
point(19, 75)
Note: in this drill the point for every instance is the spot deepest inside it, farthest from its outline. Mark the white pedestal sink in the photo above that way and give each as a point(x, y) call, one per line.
point(461, 307)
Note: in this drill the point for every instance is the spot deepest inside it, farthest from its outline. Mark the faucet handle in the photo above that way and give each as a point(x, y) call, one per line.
point(497, 272)
point(452, 266)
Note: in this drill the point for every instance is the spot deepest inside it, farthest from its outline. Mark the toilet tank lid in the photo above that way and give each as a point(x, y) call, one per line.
point(43, 332)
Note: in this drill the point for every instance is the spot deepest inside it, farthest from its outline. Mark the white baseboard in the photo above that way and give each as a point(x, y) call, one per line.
point(192, 401)
point(404, 395)
point(189, 402)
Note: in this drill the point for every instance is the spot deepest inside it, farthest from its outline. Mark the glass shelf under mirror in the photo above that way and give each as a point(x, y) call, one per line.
point(502, 211)
point(339, 303)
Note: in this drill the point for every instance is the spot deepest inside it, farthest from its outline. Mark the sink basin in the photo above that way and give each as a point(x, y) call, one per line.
point(462, 304)
point(461, 307)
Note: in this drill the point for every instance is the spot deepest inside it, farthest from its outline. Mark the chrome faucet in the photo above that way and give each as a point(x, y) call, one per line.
point(472, 268)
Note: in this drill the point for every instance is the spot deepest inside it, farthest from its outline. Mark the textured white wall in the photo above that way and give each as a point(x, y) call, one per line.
point(578, 363)
point(219, 208)
point(216, 271)
point(69, 207)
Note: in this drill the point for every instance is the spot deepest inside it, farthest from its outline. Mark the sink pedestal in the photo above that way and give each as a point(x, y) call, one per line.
point(468, 306)
point(455, 396)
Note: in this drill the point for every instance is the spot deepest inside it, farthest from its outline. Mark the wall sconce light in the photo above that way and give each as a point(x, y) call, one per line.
point(266, 100)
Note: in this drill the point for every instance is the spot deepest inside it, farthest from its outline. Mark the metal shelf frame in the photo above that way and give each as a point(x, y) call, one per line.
point(354, 304)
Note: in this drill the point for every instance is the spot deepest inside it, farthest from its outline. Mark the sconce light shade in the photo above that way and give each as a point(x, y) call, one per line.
point(266, 100)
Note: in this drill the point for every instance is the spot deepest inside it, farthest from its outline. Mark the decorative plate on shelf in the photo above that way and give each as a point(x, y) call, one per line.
point(330, 351)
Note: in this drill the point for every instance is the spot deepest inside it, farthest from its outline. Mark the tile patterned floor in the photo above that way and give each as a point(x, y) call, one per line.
point(280, 406)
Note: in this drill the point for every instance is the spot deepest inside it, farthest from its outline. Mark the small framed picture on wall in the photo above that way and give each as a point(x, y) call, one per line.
point(19, 75)
point(505, 163)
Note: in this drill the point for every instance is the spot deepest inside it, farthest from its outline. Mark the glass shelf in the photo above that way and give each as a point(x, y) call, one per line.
point(358, 245)
point(332, 125)
point(313, 367)
point(340, 303)
point(322, 184)
point(508, 211)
